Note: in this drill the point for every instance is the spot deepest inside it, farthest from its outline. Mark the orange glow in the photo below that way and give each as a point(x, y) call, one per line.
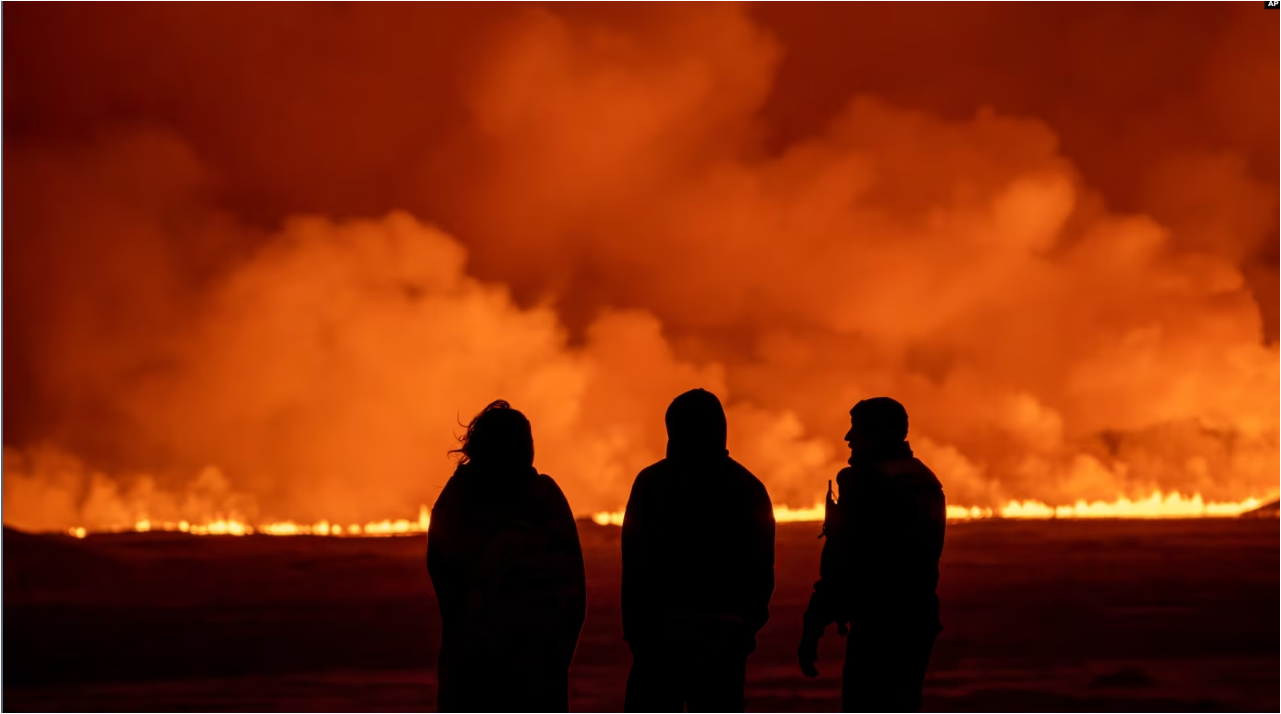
point(608, 518)
point(1157, 505)
point(782, 514)
point(587, 214)
point(237, 527)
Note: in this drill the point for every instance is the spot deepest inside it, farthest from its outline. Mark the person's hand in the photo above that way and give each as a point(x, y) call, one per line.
point(807, 654)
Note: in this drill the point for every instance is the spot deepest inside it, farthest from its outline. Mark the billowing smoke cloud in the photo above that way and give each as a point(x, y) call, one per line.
point(328, 373)
point(595, 223)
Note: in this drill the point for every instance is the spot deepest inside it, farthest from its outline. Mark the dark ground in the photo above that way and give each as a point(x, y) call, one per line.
point(1051, 616)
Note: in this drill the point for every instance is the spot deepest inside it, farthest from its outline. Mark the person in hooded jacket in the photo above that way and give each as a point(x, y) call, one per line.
point(698, 567)
point(506, 563)
point(879, 568)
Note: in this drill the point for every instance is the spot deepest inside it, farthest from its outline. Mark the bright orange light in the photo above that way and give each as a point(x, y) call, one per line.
point(1157, 505)
point(235, 526)
point(784, 514)
point(608, 518)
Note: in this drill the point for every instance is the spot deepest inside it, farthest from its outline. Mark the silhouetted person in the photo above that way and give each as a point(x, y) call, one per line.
point(880, 565)
point(698, 567)
point(505, 560)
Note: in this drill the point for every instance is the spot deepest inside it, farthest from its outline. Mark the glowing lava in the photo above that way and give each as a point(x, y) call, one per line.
point(237, 527)
point(1157, 505)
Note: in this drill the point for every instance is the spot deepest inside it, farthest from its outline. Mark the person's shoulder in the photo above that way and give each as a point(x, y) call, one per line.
point(547, 487)
point(747, 480)
point(449, 512)
point(449, 493)
point(653, 472)
point(660, 466)
point(646, 482)
point(912, 473)
point(740, 472)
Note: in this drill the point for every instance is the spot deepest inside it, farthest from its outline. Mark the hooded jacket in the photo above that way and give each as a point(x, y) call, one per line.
point(698, 536)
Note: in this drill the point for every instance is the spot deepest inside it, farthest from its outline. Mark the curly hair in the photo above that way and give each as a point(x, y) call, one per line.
point(498, 434)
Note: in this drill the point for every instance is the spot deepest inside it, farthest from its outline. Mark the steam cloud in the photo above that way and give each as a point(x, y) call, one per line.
point(595, 225)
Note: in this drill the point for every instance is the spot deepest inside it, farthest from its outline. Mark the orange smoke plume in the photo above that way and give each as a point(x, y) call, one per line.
point(604, 213)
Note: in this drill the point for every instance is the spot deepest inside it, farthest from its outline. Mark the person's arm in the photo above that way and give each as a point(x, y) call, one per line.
point(635, 579)
point(441, 567)
point(571, 549)
point(825, 606)
point(761, 562)
point(923, 530)
point(826, 603)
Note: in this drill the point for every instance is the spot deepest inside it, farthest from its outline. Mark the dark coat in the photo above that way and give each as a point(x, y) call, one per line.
point(880, 561)
point(506, 563)
point(698, 550)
